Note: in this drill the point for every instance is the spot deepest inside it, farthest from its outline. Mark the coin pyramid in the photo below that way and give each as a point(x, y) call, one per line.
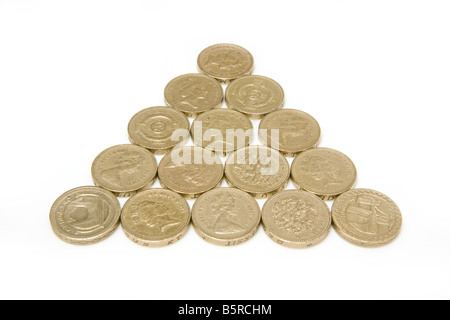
point(227, 216)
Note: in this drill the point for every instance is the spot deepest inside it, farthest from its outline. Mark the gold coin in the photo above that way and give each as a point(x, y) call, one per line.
point(254, 95)
point(152, 128)
point(324, 172)
point(155, 218)
point(225, 62)
point(222, 130)
point(297, 131)
point(190, 171)
point(296, 219)
point(366, 218)
point(226, 216)
point(85, 215)
point(124, 169)
point(257, 170)
point(193, 94)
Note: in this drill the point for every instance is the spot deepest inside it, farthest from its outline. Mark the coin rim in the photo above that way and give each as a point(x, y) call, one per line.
point(364, 243)
point(323, 196)
point(258, 194)
point(90, 240)
point(221, 78)
point(158, 150)
point(253, 115)
point(225, 242)
point(286, 151)
point(126, 192)
point(274, 236)
point(159, 242)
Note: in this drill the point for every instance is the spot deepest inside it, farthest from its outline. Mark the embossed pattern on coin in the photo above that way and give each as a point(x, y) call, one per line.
point(225, 62)
point(152, 128)
point(190, 171)
point(297, 131)
point(226, 216)
point(366, 218)
point(193, 94)
point(156, 218)
point(254, 95)
point(214, 126)
point(258, 170)
point(324, 172)
point(124, 169)
point(85, 215)
point(296, 219)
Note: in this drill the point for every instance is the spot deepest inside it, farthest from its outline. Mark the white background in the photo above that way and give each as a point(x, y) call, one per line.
point(375, 74)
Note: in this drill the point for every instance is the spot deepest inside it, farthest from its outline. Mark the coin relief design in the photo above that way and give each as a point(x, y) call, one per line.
point(225, 62)
point(85, 215)
point(193, 94)
point(152, 128)
point(324, 172)
point(297, 131)
point(296, 219)
point(226, 216)
point(366, 218)
point(254, 95)
point(260, 171)
point(155, 218)
point(124, 169)
point(209, 130)
point(193, 175)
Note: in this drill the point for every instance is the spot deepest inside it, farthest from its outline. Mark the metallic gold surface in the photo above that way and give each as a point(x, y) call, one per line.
point(200, 171)
point(193, 94)
point(155, 218)
point(297, 131)
point(254, 96)
point(257, 170)
point(225, 62)
point(226, 216)
point(296, 219)
point(152, 128)
point(124, 169)
point(214, 126)
point(324, 172)
point(366, 218)
point(85, 215)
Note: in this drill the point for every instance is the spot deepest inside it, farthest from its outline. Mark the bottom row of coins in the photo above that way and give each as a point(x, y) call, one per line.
point(225, 216)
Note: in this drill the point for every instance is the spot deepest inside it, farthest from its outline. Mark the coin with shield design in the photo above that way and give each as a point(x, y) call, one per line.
point(85, 215)
point(366, 218)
